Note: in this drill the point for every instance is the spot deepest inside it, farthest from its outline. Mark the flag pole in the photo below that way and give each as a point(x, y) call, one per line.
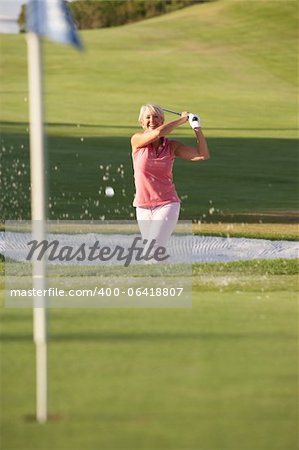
point(51, 19)
point(38, 216)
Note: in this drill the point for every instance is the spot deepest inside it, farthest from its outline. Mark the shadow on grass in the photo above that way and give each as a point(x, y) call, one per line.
point(142, 337)
point(67, 125)
point(244, 175)
point(129, 127)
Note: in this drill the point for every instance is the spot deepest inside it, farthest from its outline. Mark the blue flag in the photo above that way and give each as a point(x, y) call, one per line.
point(52, 19)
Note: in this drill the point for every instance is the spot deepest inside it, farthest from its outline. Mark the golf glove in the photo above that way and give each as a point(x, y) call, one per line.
point(194, 121)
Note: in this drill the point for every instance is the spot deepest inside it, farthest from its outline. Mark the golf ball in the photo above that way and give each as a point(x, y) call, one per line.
point(109, 191)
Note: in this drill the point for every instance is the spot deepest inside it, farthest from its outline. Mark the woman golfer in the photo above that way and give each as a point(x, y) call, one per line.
point(156, 201)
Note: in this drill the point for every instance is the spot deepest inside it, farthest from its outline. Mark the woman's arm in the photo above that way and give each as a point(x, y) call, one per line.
point(139, 140)
point(199, 153)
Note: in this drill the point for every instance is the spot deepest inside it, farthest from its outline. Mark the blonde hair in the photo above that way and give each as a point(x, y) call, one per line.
point(153, 109)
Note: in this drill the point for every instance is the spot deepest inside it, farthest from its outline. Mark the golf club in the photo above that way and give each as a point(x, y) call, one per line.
point(170, 111)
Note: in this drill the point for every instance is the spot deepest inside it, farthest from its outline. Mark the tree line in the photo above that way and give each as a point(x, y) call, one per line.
point(90, 14)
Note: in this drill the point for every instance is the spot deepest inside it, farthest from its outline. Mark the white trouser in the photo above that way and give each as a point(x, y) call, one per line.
point(158, 223)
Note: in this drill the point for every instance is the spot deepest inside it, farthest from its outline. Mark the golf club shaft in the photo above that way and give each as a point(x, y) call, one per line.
point(172, 112)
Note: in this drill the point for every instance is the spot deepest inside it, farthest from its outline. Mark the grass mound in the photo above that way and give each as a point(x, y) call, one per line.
point(224, 60)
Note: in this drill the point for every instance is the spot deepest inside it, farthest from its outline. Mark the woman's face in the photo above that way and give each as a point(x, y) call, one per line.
point(151, 120)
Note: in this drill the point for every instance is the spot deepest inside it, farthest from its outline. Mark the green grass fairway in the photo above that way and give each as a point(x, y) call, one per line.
point(224, 60)
point(222, 375)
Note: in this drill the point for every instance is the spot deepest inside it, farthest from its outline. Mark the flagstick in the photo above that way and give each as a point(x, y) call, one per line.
point(38, 195)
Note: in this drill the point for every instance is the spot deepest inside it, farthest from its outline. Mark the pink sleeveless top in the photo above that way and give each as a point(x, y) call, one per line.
point(153, 175)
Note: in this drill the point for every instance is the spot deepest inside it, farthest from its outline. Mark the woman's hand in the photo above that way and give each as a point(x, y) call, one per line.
point(184, 115)
point(194, 121)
